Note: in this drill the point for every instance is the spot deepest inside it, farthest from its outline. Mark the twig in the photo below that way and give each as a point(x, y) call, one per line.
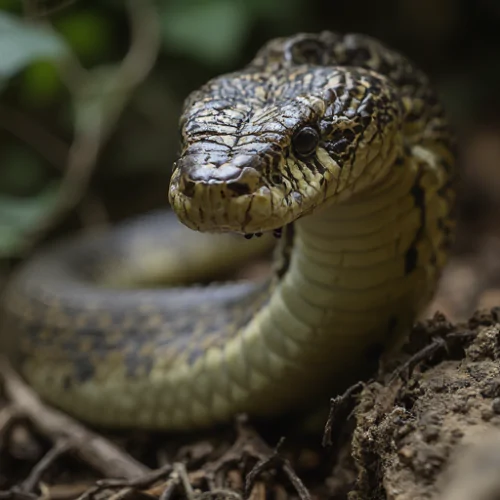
point(89, 493)
point(82, 157)
point(54, 150)
point(63, 491)
point(121, 494)
point(142, 482)
point(338, 405)
point(296, 481)
point(267, 463)
point(247, 443)
point(272, 461)
point(30, 483)
point(180, 470)
point(46, 144)
point(94, 449)
point(406, 370)
point(87, 143)
point(15, 494)
point(222, 493)
point(145, 45)
point(169, 490)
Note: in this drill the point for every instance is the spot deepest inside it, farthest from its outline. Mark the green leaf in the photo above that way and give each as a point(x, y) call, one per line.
point(20, 216)
point(212, 32)
point(12, 5)
point(21, 43)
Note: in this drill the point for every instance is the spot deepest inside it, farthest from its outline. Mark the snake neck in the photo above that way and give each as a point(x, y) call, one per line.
point(351, 272)
point(350, 286)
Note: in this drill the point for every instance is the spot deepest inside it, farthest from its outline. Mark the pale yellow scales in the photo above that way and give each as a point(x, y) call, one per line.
point(336, 139)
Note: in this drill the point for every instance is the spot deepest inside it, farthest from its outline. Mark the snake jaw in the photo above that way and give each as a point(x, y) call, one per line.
point(218, 207)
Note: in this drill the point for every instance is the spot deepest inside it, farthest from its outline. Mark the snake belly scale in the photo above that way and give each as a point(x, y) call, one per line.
point(337, 139)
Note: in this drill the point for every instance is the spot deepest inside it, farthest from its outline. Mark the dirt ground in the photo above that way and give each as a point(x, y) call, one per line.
point(413, 424)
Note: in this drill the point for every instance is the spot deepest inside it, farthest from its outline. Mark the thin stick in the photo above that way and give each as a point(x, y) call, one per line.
point(94, 449)
point(45, 143)
point(180, 469)
point(220, 493)
point(88, 142)
point(30, 483)
point(142, 482)
point(274, 460)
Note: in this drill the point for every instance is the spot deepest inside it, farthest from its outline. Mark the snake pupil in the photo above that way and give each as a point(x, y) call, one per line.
point(305, 141)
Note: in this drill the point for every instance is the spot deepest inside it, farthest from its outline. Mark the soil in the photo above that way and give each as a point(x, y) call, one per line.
point(412, 427)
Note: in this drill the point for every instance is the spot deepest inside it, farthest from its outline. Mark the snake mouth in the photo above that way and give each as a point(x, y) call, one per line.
point(218, 206)
point(232, 197)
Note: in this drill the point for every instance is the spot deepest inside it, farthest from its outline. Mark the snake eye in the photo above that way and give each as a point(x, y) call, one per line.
point(305, 141)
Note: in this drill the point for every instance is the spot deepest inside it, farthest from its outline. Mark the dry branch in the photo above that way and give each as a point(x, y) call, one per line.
point(94, 449)
point(89, 140)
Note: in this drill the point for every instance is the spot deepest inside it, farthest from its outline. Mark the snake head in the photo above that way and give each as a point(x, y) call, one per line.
point(261, 150)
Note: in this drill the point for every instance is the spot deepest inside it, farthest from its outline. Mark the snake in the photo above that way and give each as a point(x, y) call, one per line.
point(333, 148)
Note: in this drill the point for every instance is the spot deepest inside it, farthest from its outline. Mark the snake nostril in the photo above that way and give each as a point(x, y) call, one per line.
point(188, 189)
point(240, 188)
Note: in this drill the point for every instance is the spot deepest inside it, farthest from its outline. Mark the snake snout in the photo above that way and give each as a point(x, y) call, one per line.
point(236, 177)
point(229, 195)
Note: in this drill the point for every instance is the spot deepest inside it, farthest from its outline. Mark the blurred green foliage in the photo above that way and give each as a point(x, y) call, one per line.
point(20, 216)
point(21, 44)
point(215, 32)
point(456, 42)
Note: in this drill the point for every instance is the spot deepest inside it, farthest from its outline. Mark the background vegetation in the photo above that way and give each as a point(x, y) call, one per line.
point(91, 90)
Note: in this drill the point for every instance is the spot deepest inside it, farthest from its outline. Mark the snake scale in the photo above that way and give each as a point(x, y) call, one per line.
point(333, 140)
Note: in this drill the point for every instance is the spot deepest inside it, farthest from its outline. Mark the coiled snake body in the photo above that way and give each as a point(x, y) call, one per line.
point(338, 140)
